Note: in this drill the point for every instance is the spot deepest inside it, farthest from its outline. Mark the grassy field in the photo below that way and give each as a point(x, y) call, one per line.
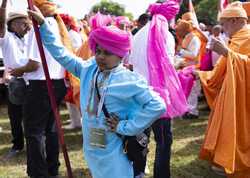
point(188, 137)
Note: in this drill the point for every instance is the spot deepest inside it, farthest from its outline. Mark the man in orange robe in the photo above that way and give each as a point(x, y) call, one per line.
point(188, 16)
point(188, 55)
point(227, 86)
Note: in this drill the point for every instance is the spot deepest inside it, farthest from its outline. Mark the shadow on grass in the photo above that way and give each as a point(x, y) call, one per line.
point(189, 128)
point(191, 149)
point(19, 159)
point(5, 124)
point(73, 140)
point(194, 169)
point(79, 173)
point(5, 138)
point(186, 162)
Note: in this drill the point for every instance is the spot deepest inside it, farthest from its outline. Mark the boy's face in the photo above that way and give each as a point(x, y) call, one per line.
point(105, 59)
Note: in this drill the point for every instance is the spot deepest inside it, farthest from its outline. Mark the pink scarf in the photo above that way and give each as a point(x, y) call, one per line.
point(122, 20)
point(206, 63)
point(112, 39)
point(187, 79)
point(163, 76)
point(99, 20)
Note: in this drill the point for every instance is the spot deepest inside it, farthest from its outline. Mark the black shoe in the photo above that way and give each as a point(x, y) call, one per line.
point(189, 116)
point(54, 176)
point(12, 153)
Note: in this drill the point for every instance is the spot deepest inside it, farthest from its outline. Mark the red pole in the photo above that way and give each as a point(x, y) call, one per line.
point(51, 95)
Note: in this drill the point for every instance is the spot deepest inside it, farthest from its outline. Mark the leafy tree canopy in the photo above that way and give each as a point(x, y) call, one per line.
point(206, 10)
point(110, 7)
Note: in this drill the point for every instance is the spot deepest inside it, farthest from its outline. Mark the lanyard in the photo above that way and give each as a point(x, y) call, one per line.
point(104, 92)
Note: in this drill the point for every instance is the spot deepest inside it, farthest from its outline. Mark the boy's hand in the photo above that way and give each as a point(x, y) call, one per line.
point(36, 15)
point(112, 122)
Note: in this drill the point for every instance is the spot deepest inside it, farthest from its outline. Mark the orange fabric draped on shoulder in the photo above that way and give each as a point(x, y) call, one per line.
point(227, 89)
point(50, 9)
point(84, 51)
point(74, 81)
point(203, 40)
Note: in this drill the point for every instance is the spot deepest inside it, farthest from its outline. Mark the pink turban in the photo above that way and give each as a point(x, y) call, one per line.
point(122, 20)
point(99, 20)
point(168, 9)
point(111, 39)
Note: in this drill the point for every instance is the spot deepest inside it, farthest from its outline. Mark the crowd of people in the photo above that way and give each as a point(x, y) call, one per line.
point(122, 78)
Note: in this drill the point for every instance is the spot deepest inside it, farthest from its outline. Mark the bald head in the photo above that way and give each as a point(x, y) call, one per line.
point(183, 27)
point(231, 25)
point(216, 30)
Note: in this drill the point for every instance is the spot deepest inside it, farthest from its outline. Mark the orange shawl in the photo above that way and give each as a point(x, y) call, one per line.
point(84, 51)
point(227, 89)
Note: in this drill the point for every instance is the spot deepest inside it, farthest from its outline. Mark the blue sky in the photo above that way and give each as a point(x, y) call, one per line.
point(78, 8)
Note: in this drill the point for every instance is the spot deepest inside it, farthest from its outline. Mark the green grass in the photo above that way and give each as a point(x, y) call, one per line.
point(188, 137)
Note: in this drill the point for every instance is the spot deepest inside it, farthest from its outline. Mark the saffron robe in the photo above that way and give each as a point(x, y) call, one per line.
point(227, 89)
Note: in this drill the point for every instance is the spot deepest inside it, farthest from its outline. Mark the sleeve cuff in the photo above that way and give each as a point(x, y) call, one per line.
point(120, 127)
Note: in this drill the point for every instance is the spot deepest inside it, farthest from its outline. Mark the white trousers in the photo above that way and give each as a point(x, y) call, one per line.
point(74, 115)
point(193, 98)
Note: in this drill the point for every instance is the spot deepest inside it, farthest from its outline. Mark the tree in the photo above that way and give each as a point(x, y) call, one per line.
point(112, 8)
point(206, 10)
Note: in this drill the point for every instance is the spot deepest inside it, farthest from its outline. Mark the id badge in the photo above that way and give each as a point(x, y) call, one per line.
point(97, 137)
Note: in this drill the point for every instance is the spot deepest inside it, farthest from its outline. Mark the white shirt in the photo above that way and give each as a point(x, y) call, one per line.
point(14, 51)
point(56, 71)
point(138, 56)
point(75, 38)
point(193, 48)
point(1, 54)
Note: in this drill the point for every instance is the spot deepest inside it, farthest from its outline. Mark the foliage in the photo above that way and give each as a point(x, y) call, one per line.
point(110, 7)
point(206, 10)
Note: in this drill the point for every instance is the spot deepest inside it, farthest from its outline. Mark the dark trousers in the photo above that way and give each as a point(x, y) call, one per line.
point(139, 163)
point(15, 113)
point(40, 129)
point(163, 137)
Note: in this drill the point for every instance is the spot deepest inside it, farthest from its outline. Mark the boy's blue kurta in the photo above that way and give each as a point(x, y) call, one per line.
point(128, 96)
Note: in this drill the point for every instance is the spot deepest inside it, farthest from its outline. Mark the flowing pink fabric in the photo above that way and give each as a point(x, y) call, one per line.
point(122, 20)
point(99, 20)
point(168, 9)
point(163, 76)
point(187, 79)
point(206, 63)
point(112, 39)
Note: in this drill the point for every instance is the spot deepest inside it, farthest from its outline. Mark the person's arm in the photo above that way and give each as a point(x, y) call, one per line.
point(86, 28)
point(31, 66)
point(153, 106)
point(3, 18)
point(54, 45)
